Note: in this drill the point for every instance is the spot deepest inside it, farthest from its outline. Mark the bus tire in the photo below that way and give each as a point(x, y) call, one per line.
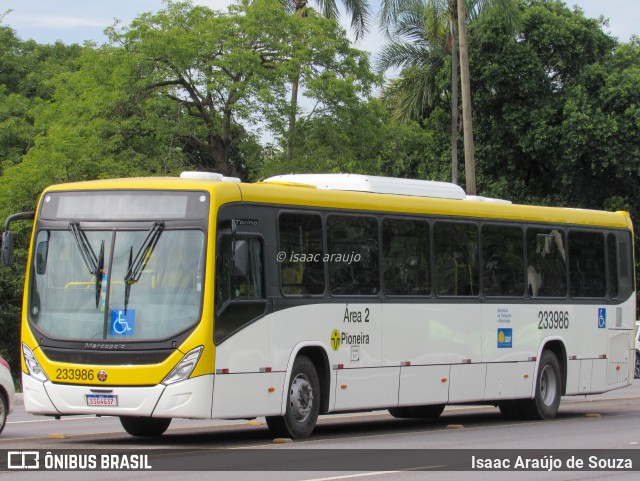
point(303, 403)
point(143, 426)
point(546, 400)
point(4, 410)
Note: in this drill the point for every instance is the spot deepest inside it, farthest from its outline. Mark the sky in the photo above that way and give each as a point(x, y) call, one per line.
point(74, 21)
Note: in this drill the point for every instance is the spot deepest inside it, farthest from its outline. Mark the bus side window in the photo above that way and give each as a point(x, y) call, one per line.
point(587, 274)
point(300, 239)
point(405, 245)
point(353, 255)
point(503, 263)
point(612, 258)
point(546, 268)
point(456, 254)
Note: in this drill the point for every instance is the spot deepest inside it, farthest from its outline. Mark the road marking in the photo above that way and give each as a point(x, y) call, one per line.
point(65, 418)
point(351, 476)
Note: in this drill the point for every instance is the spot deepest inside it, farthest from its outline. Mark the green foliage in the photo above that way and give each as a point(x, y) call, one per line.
point(556, 108)
point(360, 140)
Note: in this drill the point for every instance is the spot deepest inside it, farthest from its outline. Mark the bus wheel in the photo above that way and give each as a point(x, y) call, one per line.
point(144, 426)
point(4, 409)
point(303, 403)
point(546, 401)
point(636, 372)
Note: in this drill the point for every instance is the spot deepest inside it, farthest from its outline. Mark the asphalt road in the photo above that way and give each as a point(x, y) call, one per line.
point(355, 446)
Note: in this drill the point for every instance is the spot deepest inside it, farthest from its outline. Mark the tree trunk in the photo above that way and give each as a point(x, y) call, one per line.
point(295, 86)
point(222, 147)
point(292, 115)
point(454, 91)
point(469, 162)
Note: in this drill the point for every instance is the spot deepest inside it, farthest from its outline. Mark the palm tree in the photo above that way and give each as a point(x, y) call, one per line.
point(422, 33)
point(360, 17)
point(459, 13)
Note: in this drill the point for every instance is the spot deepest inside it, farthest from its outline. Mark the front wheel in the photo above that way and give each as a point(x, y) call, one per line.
point(303, 403)
point(546, 401)
point(144, 426)
point(4, 410)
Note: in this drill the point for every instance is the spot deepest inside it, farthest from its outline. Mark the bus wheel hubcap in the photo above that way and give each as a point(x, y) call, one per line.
point(547, 386)
point(301, 398)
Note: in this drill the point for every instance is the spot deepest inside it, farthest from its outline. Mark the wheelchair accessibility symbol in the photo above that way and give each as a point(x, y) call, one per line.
point(602, 318)
point(122, 324)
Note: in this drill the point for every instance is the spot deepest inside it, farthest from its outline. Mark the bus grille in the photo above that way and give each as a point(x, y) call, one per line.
point(107, 358)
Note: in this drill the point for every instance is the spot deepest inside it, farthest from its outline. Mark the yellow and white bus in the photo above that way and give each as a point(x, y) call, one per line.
point(203, 297)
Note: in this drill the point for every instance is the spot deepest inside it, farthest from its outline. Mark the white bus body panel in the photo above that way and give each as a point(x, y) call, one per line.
point(188, 399)
point(403, 354)
point(424, 385)
point(366, 388)
point(248, 395)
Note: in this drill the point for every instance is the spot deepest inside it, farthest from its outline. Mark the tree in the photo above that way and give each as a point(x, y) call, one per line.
point(447, 19)
point(557, 110)
point(360, 14)
point(361, 139)
point(420, 38)
point(225, 68)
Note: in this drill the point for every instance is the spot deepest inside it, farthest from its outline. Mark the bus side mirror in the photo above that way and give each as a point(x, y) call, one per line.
point(7, 248)
point(240, 258)
point(42, 252)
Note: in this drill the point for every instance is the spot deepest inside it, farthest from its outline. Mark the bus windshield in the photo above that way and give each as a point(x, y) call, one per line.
point(120, 285)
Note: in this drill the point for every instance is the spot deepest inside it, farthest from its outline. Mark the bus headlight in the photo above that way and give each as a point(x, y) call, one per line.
point(185, 367)
point(33, 366)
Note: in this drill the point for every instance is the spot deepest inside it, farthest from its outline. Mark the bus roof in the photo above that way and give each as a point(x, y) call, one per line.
point(285, 193)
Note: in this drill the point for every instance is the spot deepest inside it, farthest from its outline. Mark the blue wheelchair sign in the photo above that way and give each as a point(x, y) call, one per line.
point(122, 324)
point(602, 318)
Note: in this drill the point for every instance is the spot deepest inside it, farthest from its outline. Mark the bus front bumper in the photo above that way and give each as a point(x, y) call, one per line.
point(188, 399)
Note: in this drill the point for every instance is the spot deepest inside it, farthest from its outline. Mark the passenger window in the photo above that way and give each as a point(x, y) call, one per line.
point(353, 255)
point(456, 255)
point(587, 275)
point(406, 260)
point(503, 263)
point(302, 270)
point(546, 263)
point(612, 256)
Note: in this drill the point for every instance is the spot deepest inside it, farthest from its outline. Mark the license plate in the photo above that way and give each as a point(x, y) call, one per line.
point(101, 400)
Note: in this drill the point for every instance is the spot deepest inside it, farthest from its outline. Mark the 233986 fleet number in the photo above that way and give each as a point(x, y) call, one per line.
point(75, 374)
point(553, 320)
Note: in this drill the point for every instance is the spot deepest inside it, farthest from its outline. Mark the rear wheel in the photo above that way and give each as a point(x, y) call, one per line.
point(303, 403)
point(145, 426)
point(546, 401)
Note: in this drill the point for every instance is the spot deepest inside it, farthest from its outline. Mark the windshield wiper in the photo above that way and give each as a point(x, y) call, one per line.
point(94, 263)
point(137, 265)
point(88, 255)
point(99, 273)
